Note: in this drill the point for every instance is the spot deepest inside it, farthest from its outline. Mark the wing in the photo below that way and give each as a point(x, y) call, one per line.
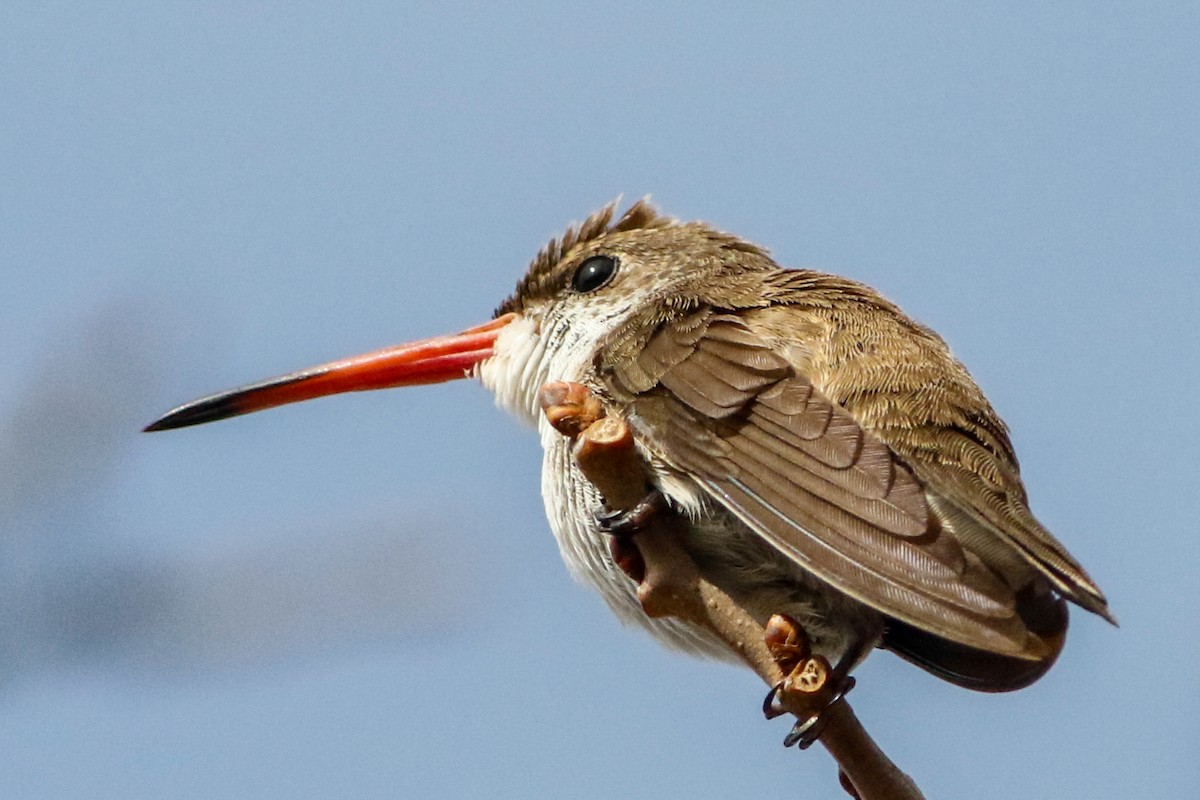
point(989, 513)
point(713, 399)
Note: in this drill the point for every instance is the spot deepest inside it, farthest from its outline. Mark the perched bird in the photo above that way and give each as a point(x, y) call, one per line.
point(834, 461)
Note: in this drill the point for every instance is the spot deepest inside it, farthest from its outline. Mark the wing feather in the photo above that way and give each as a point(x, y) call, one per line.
point(713, 399)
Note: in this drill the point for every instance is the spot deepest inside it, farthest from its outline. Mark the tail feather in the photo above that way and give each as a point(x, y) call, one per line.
point(1045, 617)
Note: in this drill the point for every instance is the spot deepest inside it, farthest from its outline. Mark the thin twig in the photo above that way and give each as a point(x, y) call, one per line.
point(670, 584)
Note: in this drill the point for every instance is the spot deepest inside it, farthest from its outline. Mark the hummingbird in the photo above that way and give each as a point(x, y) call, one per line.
point(832, 459)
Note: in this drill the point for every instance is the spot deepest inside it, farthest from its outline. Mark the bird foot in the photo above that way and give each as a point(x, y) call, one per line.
point(808, 730)
point(810, 685)
point(634, 520)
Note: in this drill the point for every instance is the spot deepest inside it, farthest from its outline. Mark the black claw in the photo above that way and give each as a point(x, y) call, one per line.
point(636, 519)
point(806, 731)
point(771, 709)
point(606, 517)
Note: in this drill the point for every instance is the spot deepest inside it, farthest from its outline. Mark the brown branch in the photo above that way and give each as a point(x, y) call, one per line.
point(670, 584)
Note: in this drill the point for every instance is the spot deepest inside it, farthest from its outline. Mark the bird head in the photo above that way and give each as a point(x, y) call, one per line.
point(606, 275)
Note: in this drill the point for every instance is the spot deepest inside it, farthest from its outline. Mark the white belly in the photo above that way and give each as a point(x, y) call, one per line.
point(570, 504)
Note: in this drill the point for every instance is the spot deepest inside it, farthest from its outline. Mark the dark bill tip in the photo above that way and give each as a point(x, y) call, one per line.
point(197, 412)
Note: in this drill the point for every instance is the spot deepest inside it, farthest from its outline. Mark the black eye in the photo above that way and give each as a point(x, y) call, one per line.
point(594, 273)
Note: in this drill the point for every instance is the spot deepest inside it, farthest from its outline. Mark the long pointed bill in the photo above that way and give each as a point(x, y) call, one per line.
point(442, 358)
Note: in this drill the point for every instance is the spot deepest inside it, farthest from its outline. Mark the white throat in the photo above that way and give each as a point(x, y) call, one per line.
point(529, 354)
point(517, 370)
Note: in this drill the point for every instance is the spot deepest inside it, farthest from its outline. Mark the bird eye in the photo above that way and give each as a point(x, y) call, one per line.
point(593, 273)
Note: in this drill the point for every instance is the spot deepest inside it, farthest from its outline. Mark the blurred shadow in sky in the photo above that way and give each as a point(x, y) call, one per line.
point(74, 591)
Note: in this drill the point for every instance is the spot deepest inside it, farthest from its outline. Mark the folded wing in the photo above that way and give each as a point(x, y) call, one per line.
point(714, 400)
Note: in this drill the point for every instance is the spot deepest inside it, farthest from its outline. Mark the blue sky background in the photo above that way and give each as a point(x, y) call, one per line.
point(359, 597)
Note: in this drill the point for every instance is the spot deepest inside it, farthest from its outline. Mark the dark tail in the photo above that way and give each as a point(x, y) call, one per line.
point(1045, 616)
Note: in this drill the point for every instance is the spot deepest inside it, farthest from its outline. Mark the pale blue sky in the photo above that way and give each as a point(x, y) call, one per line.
point(359, 597)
